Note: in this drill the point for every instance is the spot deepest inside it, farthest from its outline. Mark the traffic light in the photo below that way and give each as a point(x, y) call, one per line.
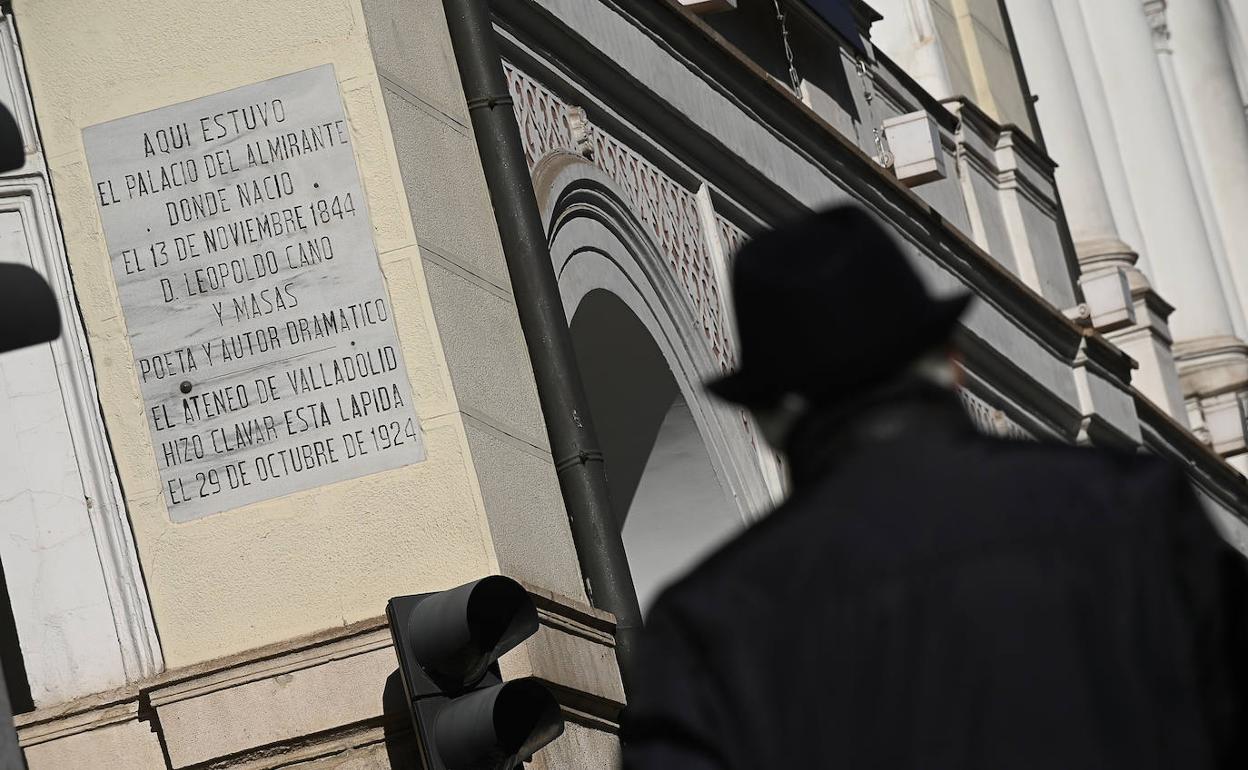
point(28, 310)
point(448, 644)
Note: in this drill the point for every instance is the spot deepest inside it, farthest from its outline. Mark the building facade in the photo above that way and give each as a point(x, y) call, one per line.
point(208, 589)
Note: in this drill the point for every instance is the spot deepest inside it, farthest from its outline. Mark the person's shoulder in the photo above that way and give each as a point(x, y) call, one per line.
point(1002, 490)
point(1080, 463)
point(1123, 486)
point(742, 572)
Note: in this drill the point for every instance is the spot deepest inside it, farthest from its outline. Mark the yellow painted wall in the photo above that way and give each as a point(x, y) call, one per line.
point(312, 560)
point(997, 87)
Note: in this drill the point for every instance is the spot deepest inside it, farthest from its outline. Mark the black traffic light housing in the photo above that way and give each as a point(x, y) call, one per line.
point(28, 310)
point(448, 645)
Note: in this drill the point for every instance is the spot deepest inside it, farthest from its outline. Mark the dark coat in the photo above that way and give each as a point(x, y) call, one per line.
point(943, 600)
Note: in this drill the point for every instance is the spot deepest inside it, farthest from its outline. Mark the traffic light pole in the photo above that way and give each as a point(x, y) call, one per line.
point(573, 443)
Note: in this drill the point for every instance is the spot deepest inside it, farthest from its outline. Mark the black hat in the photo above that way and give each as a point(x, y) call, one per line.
point(828, 307)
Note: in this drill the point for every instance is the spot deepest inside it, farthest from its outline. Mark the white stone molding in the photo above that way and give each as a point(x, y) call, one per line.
point(1219, 422)
point(1027, 193)
point(132, 630)
point(712, 229)
point(1150, 342)
point(1105, 397)
point(1010, 197)
point(17, 95)
point(978, 183)
point(61, 672)
point(718, 232)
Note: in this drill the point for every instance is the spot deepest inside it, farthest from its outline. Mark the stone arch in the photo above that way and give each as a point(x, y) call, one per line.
point(599, 244)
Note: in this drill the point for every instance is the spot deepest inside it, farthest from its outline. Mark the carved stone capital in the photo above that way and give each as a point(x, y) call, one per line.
point(1212, 366)
point(1099, 253)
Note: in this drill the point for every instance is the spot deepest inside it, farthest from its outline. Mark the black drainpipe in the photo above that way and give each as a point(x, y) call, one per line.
point(573, 442)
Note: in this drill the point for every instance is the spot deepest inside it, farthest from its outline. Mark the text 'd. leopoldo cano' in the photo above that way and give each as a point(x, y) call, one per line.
point(263, 336)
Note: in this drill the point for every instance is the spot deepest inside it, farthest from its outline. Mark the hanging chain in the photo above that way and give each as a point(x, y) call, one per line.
point(788, 51)
point(884, 155)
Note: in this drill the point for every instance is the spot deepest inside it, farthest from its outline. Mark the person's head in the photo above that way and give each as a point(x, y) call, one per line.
point(828, 312)
point(777, 420)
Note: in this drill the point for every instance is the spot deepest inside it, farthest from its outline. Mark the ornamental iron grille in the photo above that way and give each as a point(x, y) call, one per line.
point(666, 208)
point(990, 420)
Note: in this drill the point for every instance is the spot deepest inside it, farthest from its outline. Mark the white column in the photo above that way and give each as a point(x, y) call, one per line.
point(1181, 256)
point(1065, 129)
point(1091, 94)
point(1210, 100)
point(1155, 12)
point(1119, 296)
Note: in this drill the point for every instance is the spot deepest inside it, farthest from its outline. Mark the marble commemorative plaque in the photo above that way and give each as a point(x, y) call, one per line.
point(263, 335)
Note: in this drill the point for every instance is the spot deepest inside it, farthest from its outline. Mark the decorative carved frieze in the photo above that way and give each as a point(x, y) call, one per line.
point(665, 207)
point(991, 420)
point(732, 236)
point(542, 117)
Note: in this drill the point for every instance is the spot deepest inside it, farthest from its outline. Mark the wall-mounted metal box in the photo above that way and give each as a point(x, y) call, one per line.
point(914, 141)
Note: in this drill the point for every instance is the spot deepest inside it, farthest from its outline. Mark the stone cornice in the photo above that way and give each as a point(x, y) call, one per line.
point(327, 692)
point(987, 126)
point(1166, 437)
point(1117, 364)
point(688, 40)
